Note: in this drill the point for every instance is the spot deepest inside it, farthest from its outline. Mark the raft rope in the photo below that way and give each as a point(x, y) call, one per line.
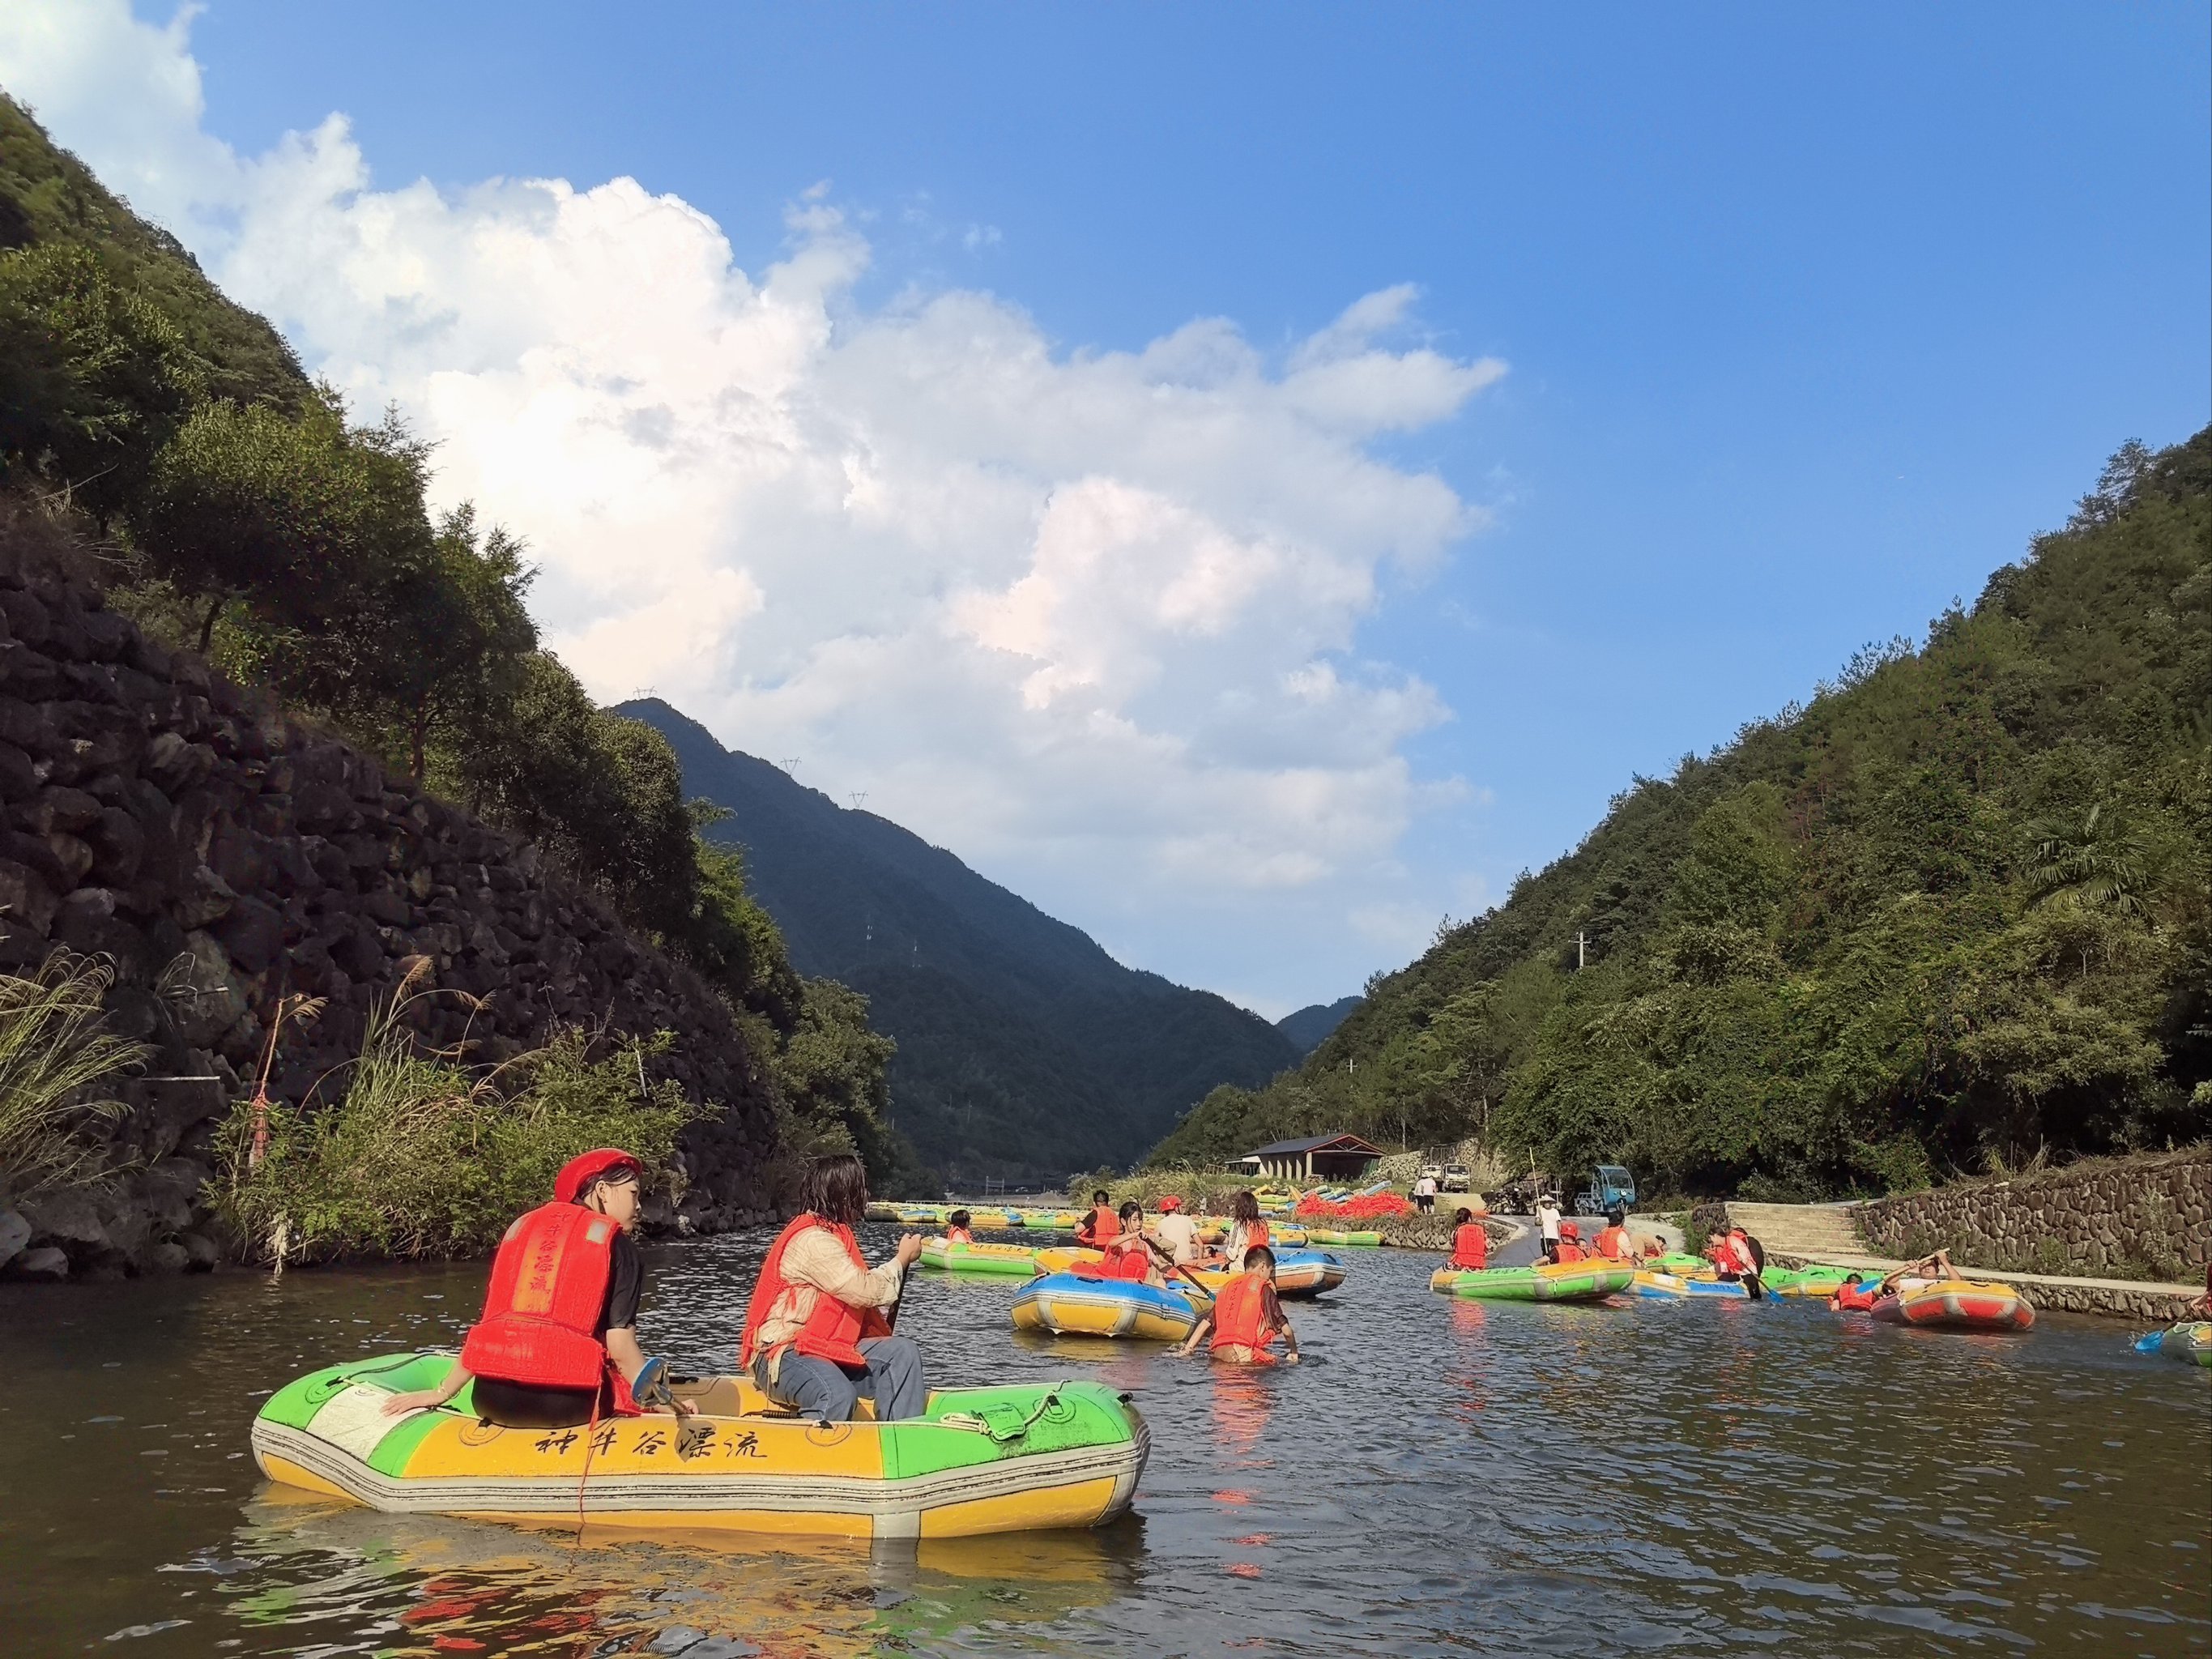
point(995, 1422)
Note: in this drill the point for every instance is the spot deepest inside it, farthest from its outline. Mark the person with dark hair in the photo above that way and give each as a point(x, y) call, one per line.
point(1247, 1231)
point(557, 1345)
point(1470, 1242)
point(1613, 1241)
point(1129, 1253)
point(816, 1337)
point(1246, 1316)
point(1100, 1224)
point(959, 1228)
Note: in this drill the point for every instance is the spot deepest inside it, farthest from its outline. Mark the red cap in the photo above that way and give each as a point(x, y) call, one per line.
point(1167, 1204)
point(578, 1171)
point(1568, 1230)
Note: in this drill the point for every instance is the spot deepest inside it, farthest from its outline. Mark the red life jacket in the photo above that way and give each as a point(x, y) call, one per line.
point(1240, 1314)
point(832, 1330)
point(1571, 1251)
point(1612, 1243)
point(1470, 1247)
point(541, 1317)
point(1863, 1294)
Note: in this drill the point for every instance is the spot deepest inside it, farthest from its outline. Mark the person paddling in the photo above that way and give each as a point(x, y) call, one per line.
point(1129, 1253)
point(557, 1345)
point(1470, 1243)
point(1100, 1224)
point(815, 1337)
point(1246, 1316)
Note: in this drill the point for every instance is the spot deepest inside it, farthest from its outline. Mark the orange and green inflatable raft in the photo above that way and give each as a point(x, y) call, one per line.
point(993, 1460)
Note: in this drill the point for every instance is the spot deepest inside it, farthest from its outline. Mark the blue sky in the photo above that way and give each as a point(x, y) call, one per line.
point(1811, 317)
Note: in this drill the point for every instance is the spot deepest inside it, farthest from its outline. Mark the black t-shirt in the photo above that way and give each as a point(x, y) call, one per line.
point(518, 1405)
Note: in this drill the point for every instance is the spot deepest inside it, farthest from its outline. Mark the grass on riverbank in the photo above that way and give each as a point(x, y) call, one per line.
point(56, 1056)
point(425, 1157)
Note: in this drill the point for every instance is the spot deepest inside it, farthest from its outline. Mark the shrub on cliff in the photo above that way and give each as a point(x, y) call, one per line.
point(423, 1155)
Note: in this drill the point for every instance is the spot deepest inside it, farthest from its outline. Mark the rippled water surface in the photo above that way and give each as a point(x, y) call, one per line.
point(1451, 1477)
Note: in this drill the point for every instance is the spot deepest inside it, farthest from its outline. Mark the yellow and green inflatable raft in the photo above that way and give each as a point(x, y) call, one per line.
point(1561, 1281)
point(1014, 1261)
point(979, 1461)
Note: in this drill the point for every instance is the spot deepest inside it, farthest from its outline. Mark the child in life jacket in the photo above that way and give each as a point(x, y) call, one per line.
point(957, 1227)
point(1571, 1244)
point(1246, 1318)
point(1470, 1244)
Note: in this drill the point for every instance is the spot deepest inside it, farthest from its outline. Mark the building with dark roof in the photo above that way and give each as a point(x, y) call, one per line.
point(1315, 1158)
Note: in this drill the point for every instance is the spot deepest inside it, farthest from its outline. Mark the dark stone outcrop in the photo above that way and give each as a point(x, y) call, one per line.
point(223, 854)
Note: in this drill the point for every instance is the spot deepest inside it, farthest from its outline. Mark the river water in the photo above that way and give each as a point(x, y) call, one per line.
point(1449, 1477)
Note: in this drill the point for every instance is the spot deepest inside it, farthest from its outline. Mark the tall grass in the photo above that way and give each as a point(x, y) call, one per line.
point(56, 1053)
point(423, 1155)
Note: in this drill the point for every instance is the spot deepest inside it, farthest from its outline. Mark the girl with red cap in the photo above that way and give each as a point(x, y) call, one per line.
point(557, 1345)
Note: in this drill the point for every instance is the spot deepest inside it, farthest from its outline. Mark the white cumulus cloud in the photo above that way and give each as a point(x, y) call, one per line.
point(1088, 616)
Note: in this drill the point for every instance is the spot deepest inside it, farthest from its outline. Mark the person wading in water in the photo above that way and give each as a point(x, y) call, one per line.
point(1246, 1317)
point(815, 1336)
point(557, 1345)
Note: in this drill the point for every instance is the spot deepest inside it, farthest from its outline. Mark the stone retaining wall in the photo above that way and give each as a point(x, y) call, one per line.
point(2146, 1217)
point(221, 853)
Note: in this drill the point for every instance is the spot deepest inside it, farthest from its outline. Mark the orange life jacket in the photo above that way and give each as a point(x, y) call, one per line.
point(1101, 1225)
point(958, 1235)
point(1240, 1314)
point(1863, 1294)
point(833, 1328)
point(1571, 1251)
point(1470, 1247)
point(541, 1316)
point(1612, 1243)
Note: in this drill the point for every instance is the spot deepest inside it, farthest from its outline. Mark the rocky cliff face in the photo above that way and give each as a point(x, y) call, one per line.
point(223, 854)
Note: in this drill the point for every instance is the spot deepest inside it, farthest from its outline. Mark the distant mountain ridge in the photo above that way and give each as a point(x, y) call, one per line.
point(1309, 1027)
point(1024, 1048)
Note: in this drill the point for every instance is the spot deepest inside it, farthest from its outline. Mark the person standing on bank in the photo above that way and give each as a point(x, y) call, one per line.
point(557, 1345)
point(1425, 1194)
point(1547, 1225)
point(815, 1336)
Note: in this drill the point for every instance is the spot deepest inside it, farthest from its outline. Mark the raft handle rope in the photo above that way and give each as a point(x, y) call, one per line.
point(1002, 1422)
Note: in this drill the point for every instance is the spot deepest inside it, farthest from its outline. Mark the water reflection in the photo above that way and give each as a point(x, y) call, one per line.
point(425, 1585)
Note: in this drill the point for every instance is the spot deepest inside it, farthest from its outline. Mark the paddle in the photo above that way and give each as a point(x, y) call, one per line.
point(1175, 1266)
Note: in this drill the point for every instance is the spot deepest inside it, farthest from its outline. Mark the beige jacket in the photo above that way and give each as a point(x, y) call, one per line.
point(815, 1264)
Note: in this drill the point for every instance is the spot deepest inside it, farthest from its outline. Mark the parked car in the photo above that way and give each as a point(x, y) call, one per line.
point(1608, 1186)
point(1457, 1178)
point(1434, 1172)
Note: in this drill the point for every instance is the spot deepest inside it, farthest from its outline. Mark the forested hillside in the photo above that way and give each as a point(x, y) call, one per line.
point(1950, 915)
point(1024, 1050)
point(234, 508)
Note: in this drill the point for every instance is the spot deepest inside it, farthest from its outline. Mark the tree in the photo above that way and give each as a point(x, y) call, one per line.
point(300, 518)
point(93, 380)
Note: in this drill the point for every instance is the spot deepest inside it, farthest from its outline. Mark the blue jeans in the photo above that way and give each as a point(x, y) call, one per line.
point(822, 1392)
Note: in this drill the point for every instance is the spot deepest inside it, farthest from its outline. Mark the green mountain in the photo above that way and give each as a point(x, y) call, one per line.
point(1024, 1050)
point(1310, 1025)
point(1951, 914)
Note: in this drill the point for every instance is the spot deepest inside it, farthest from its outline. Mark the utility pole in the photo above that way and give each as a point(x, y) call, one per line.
point(858, 797)
point(1582, 948)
